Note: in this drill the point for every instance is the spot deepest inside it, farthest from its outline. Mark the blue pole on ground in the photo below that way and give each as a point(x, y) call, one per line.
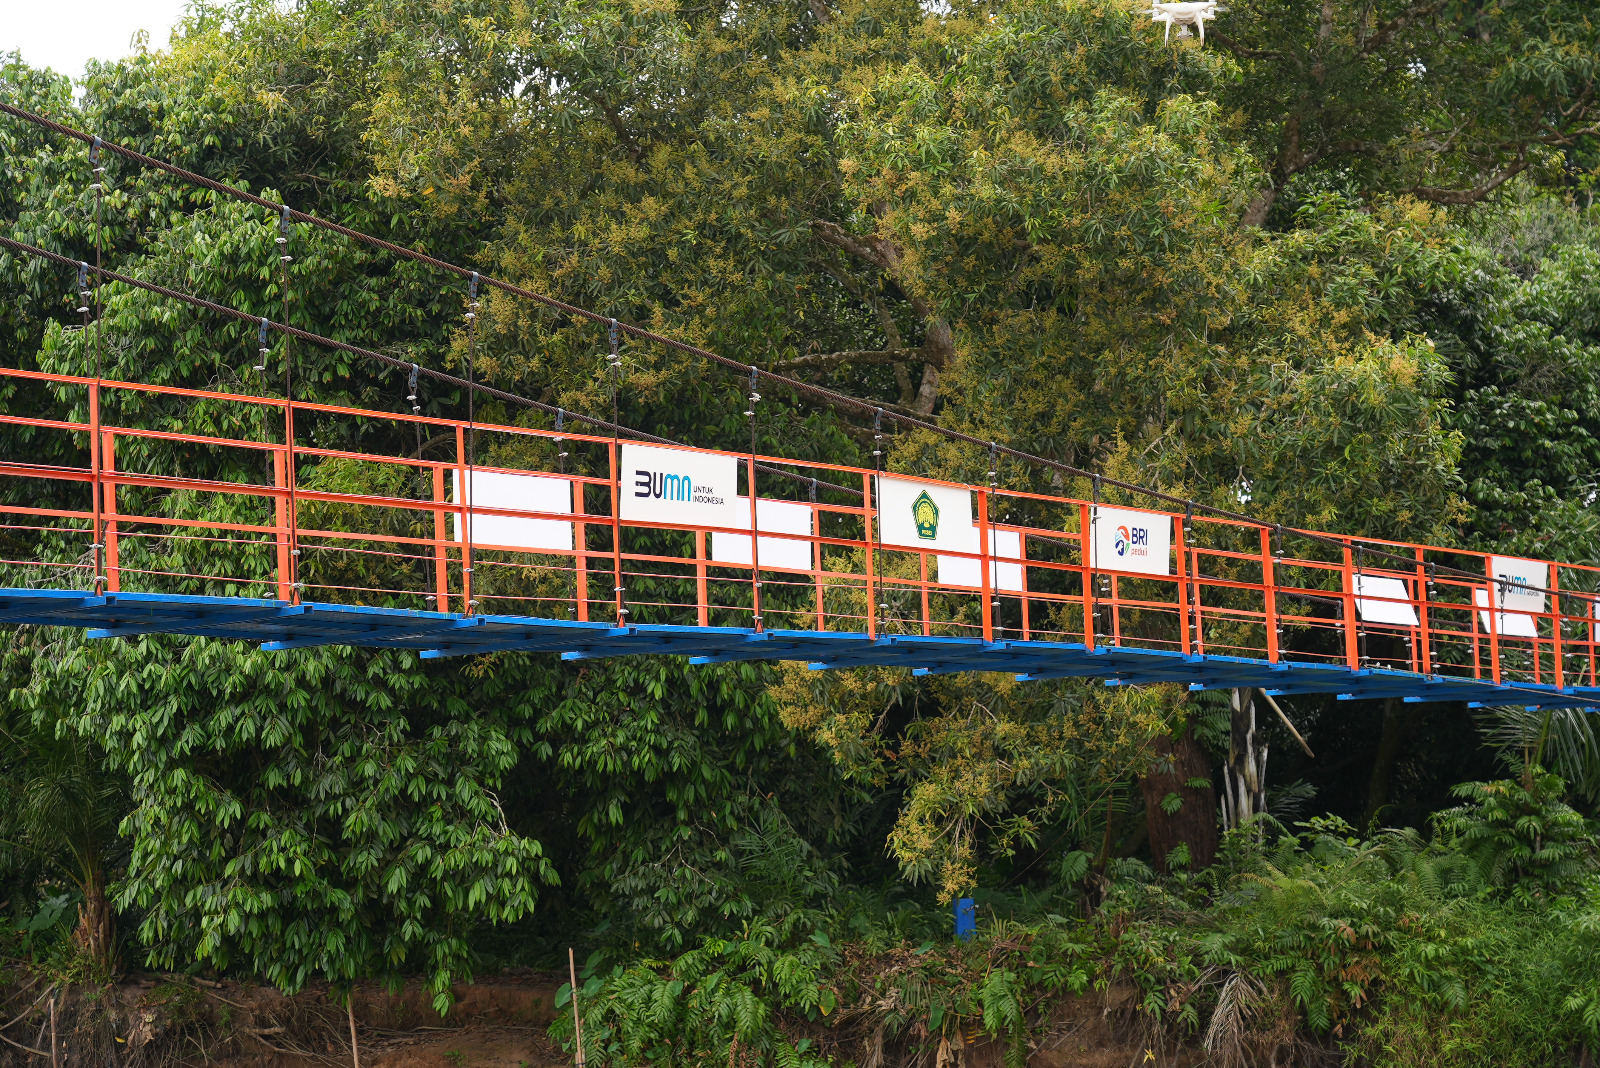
point(966, 918)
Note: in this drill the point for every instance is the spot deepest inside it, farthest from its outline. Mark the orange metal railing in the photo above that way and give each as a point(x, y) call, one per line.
point(322, 503)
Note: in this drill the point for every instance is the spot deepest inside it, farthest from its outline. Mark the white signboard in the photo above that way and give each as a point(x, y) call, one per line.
point(1515, 604)
point(921, 515)
point(1385, 600)
point(777, 554)
point(681, 486)
point(966, 571)
point(527, 493)
point(1125, 539)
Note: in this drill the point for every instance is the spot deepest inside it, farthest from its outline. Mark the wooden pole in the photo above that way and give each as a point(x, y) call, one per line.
point(350, 1013)
point(55, 1053)
point(577, 1021)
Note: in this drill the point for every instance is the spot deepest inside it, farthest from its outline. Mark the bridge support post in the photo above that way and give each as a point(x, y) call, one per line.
point(983, 560)
point(1352, 644)
point(1555, 625)
point(871, 516)
point(280, 510)
point(1424, 657)
point(108, 455)
point(96, 462)
point(1495, 595)
point(922, 575)
point(702, 605)
point(1182, 547)
point(441, 552)
point(1027, 631)
point(755, 549)
point(1269, 594)
point(1086, 558)
point(580, 556)
point(616, 533)
point(464, 501)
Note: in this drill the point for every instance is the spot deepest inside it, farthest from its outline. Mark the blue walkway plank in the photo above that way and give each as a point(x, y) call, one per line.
point(280, 626)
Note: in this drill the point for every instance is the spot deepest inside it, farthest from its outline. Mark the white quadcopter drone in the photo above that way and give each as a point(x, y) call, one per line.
point(1183, 15)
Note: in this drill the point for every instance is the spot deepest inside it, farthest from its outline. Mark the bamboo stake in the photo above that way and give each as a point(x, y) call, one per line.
point(55, 1054)
point(350, 1012)
point(1286, 723)
point(577, 1021)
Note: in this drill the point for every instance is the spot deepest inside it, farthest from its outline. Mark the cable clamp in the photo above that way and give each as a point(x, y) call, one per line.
point(261, 341)
point(472, 289)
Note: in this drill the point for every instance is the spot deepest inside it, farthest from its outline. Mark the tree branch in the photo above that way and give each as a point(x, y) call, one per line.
point(874, 250)
point(1468, 196)
point(1383, 34)
point(617, 126)
point(1241, 51)
point(829, 359)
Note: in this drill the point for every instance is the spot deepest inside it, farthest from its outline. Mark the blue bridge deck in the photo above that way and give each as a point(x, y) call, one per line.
point(278, 625)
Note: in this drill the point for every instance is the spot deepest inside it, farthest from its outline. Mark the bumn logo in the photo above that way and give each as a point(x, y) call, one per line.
point(662, 486)
point(926, 515)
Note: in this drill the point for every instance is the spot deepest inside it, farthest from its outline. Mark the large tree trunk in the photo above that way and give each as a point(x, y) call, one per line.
point(1194, 822)
point(1244, 779)
point(1397, 719)
point(96, 934)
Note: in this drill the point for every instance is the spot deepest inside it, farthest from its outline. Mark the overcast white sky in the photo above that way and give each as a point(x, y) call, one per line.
point(65, 34)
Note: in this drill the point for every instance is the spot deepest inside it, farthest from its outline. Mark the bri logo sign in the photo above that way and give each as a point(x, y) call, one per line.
point(1132, 541)
point(1128, 539)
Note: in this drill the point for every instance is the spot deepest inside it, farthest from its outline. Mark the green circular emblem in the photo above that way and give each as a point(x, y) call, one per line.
point(926, 515)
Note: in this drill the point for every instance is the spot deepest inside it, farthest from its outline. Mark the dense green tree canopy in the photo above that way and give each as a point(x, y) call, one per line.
point(1336, 267)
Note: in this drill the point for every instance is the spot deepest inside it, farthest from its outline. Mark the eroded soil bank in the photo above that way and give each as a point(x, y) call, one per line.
point(497, 1022)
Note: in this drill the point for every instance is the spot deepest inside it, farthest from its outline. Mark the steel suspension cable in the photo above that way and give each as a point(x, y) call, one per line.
point(267, 325)
point(818, 392)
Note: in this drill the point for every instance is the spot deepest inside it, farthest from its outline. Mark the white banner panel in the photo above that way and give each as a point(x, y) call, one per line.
point(919, 515)
point(1126, 539)
point(777, 554)
point(1508, 624)
point(962, 571)
point(680, 486)
point(1515, 603)
point(1385, 600)
point(530, 493)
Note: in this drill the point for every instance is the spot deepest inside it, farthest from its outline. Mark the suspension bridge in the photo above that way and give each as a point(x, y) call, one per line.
point(127, 511)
